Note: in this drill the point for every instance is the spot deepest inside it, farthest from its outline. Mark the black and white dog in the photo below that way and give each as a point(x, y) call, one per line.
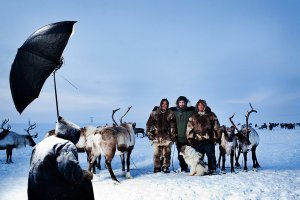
point(193, 159)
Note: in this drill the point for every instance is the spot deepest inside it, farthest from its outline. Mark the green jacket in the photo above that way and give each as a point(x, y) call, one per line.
point(182, 118)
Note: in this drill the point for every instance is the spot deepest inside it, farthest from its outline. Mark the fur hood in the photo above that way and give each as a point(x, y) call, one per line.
point(67, 130)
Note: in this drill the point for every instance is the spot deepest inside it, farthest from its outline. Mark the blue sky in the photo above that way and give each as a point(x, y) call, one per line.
point(134, 53)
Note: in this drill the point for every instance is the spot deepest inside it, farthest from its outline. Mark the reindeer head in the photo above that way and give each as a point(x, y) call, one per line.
point(243, 134)
point(29, 136)
point(8, 126)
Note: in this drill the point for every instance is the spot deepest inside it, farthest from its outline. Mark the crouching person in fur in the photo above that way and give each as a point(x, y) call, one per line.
point(161, 130)
point(54, 171)
point(203, 130)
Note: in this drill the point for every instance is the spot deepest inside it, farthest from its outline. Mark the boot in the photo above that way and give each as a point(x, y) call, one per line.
point(166, 170)
point(156, 169)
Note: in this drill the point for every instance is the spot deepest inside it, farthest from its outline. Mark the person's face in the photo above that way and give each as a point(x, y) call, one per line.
point(164, 105)
point(181, 104)
point(201, 107)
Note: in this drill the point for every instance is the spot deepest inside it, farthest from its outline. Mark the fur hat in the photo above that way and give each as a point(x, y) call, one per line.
point(182, 98)
point(67, 130)
point(163, 100)
point(201, 101)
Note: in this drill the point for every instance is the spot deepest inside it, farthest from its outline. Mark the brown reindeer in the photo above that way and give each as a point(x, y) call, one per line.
point(248, 139)
point(10, 139)
point(118, 139)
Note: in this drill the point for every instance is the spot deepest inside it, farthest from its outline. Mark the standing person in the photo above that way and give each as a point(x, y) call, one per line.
point(203, 130)
point(182, 113)
point(54, 171)
point(161, 130)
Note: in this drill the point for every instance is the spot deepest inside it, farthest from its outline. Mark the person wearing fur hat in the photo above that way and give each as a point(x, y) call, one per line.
point(182, 113)
point(203, 130)
point(54, 171)
point(161, 130)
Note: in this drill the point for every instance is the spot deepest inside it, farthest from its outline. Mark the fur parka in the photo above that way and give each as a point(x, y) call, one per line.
point(161, 125)
point(54, 171)
point(203, 126)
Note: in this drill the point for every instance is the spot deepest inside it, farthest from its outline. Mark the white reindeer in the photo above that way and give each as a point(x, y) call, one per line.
point(113, 140)
point(10, 139)
point(227, 147)
point(248, 139)
point(85, 143)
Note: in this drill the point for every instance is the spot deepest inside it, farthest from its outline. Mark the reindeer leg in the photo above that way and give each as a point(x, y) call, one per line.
point(88, 160)
point(94, 166)
point(245, 161)
point(128, 175)
point(222, 155)
point(108, 164)
point(219, 159)
point(10, 155)
point(7, 154)
point(237, 164)
point(123, 163)
point(231, 161)
point(254, 159)
point(223, 163)
point(99, 162)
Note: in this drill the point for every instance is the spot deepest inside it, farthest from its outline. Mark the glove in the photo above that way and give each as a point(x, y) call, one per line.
point(87, 175)
point(150, 136)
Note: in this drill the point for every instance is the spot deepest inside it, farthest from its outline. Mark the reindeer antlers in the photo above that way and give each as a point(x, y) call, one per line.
point(113, 113)
point(31, 127)
point(230, 119)
point(125, 114)
point(112, 116)
point(247, 116)
point(5, 122)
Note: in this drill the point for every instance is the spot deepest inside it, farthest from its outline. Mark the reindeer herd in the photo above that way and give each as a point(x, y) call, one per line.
point(119, 139)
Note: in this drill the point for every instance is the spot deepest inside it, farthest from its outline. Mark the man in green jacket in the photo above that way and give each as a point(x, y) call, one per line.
point(182, 114)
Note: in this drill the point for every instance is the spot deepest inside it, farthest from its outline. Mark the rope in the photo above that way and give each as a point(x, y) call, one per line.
point(133, 163)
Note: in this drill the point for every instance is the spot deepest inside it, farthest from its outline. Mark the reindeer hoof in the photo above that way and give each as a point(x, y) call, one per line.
point(128, 176)
point(223, 171)
point(123, 173)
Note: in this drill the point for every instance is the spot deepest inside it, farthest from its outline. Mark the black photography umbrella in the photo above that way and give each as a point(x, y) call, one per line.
point(36, 59)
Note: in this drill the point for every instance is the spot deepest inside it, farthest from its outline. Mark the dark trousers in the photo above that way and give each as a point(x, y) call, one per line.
point(207, 147)
point(182, 163)
point(79, 191)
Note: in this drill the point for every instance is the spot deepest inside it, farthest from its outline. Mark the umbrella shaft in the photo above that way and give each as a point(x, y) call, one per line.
point(55, 95)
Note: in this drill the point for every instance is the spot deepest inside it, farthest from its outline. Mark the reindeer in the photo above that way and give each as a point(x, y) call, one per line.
point(227, 146)
point(248, 139)
point(85, 143)
point(10, 139)
point(118, 139)
point(140, 130)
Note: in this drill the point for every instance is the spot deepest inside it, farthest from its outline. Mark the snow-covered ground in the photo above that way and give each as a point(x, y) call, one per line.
point(279, 177)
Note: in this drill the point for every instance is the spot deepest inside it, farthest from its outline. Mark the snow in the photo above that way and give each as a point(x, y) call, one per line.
point(279, 178)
